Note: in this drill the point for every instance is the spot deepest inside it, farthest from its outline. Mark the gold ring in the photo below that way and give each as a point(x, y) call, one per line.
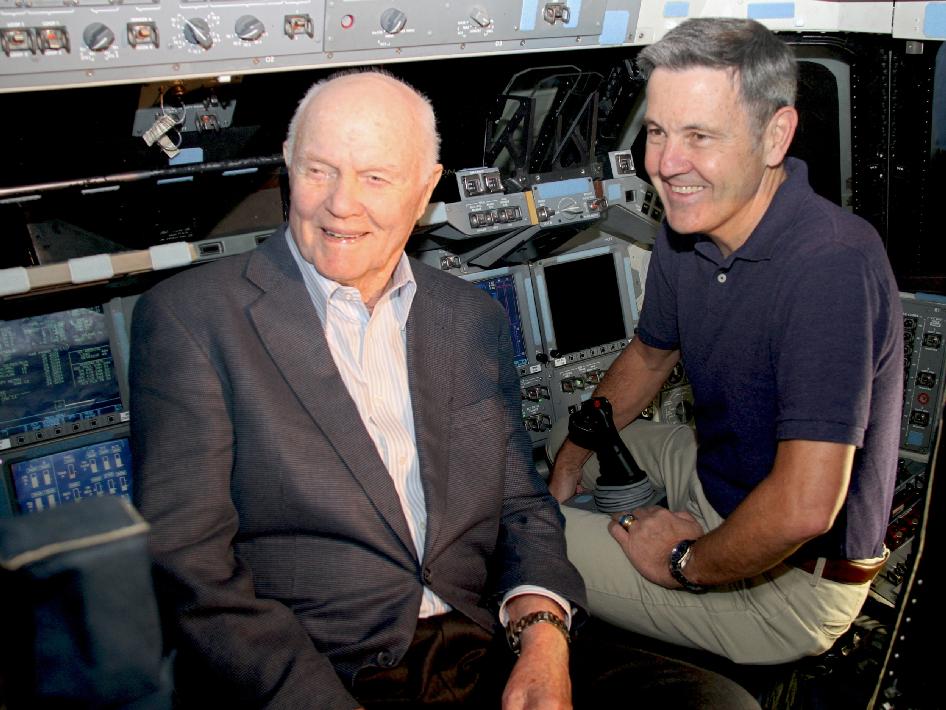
point(626, 521)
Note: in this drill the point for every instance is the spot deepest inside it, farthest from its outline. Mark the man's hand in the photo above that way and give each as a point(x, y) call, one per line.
point(563, 484)
point(566, 471)
point(651, 537)
point(539, 680)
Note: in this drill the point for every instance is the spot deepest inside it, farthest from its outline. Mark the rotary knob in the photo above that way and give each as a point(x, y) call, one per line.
point(98, 37)
point(197, 31)
point(393, 20)
point(249, 28)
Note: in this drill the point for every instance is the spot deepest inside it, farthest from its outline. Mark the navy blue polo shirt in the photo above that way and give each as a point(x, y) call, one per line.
point(795, 335)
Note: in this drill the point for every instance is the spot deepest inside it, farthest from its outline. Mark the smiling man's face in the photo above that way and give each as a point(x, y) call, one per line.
point(360, 178)
point(704, 155)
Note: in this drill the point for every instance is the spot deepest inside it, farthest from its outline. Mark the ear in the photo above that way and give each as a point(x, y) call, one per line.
point(433, 177)
point(285, 153)
point(779, 134)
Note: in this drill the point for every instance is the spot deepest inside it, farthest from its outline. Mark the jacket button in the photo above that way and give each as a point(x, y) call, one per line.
point(428, 575)
point(385, 659)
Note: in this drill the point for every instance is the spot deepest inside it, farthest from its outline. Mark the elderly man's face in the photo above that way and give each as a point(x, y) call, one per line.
point(360, 179)
point(703, 153)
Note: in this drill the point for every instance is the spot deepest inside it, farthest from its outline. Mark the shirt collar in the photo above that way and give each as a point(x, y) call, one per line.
point(323, 290)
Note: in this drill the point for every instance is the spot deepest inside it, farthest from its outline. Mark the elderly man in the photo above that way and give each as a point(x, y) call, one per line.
point(786, 314)
point(292, 410)
point(330, 451)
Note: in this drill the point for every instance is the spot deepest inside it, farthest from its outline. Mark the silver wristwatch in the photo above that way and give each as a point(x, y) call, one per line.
point(679, 556)
point(514, 630)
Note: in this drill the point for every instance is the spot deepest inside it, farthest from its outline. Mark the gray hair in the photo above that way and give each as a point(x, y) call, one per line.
point(425, 112)
point(764, 65)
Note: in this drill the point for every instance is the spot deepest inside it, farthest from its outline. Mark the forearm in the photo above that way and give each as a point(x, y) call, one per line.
point(539, 634)
point(634, 379)
point(566, 472)
point(522, 604)
point(530, 548)
point(722, 555)
point(540, 679)
point(798, 501)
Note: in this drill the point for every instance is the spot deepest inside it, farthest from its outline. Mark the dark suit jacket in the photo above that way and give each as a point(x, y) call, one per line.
point(276, 530)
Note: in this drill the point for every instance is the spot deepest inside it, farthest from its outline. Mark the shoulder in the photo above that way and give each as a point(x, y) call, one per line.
point(815, 225)
point(828, 236)
point(834, 265)
point(197, 287)
point(225, 279)
point(813, 234)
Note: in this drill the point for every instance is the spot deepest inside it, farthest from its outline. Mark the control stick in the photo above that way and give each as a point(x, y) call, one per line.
point(622, 484)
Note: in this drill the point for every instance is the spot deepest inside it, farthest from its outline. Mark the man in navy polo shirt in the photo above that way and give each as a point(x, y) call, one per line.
point(786, 315)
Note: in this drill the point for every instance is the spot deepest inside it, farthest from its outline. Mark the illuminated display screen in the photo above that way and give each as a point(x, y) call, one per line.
point(55, 368)
point(584, 303)
point(503, 289)
point(69, 476)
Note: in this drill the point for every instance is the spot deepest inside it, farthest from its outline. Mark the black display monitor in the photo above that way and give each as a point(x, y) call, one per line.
point(583, 297)
point(44, 476)
point(61, 372)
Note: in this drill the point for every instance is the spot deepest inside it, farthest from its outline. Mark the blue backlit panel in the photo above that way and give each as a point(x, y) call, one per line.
point(56, 368)
point(503, 289)
point(69, 476)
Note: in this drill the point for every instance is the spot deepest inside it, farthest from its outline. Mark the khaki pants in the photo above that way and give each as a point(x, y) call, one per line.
point(775, 617)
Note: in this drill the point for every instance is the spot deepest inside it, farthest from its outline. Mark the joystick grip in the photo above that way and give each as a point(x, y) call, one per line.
point(622, 484)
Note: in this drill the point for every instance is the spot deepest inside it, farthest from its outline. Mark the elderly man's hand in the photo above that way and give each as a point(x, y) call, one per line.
point(540, 679)
point(647, 542)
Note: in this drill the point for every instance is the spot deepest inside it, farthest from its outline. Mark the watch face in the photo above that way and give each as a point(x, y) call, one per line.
point(684, 555)
point(678, 559)
point(680, 553)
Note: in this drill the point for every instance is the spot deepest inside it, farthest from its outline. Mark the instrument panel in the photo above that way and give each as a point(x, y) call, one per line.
point(50, 44)
point(58, 43)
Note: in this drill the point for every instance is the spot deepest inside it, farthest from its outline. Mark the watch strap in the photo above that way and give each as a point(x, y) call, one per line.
point(514, 629)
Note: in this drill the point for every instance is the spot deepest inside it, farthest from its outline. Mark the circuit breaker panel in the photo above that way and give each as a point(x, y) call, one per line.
point(924, 366)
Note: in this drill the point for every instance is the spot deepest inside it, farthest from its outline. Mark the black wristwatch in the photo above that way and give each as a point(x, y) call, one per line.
point(679, 556)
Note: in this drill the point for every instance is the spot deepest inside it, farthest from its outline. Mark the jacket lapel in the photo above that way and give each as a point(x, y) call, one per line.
point(429, 367)
point(289, 328)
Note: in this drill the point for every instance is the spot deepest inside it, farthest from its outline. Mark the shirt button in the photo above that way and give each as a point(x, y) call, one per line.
point(721, 278)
